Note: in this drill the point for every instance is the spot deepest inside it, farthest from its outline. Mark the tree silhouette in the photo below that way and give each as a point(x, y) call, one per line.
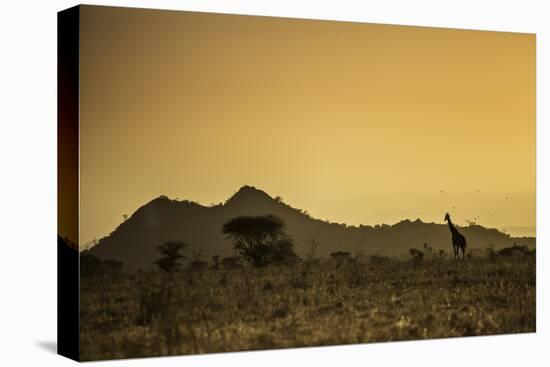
point(170, 256)
point(260, 240)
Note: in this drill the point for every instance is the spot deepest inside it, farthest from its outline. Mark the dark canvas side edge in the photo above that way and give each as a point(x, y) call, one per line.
point(68, 24)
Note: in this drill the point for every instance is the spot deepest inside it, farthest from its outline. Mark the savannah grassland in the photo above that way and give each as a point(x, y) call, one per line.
point(312, 303)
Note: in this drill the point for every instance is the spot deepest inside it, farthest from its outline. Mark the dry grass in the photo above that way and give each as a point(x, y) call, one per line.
point(305, 305)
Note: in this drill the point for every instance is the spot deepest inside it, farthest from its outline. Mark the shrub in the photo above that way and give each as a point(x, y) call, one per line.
point(198, 265)
point(378, 259)
point(515, 250)
point(416, 254)
point(92, 266)
point(231, 262)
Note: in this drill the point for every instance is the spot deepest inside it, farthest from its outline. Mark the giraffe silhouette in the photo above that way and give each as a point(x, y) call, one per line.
point(459, 241)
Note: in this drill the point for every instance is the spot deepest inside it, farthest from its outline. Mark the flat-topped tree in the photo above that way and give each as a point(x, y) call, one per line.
point(260, 240)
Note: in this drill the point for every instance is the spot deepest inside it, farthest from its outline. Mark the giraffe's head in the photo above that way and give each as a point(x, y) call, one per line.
point(447, 217)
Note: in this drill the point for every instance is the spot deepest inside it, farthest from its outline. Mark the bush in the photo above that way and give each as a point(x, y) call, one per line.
point(378, 259)
point(198, 265)
point(92, 266)
point(515, 250)
point(416, 254)
point(231, 262)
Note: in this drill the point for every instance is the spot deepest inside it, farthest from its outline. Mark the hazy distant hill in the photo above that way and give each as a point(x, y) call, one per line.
point(134, 241)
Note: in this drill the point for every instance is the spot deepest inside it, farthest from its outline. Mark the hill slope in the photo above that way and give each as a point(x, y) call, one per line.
point(162, 219)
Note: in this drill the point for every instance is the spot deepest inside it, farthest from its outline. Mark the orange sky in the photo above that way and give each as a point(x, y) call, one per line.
point(356, 123)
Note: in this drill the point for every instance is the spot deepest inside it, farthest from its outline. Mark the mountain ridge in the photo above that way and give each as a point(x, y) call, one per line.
point(162, 219)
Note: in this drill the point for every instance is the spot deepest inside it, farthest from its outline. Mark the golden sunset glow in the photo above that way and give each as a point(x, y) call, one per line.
point(353, 122)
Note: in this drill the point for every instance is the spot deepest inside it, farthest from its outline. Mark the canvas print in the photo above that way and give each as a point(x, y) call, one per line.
point(233, 183)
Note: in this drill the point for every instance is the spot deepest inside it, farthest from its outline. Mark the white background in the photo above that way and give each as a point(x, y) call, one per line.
point(28, 183)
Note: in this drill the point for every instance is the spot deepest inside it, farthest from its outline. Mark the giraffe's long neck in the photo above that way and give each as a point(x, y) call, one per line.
point(452, 227)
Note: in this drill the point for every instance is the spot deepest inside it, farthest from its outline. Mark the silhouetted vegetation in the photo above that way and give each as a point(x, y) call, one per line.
point(515, 250)
point(260, 240)
point(341, 257)
point(231, 262)
point(171, 256)
point(416, 254)
point(379, 259)
point(92, 266)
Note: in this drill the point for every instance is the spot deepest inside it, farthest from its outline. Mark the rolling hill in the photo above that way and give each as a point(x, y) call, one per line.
point(135, 240)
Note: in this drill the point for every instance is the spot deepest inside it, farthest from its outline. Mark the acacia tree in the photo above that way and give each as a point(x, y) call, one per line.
point(170, 256)
point(260, 240)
